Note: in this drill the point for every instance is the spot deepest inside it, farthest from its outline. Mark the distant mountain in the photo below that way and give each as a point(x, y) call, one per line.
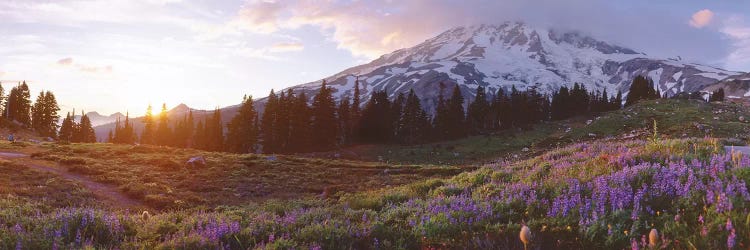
point(514, 54)
point(96, 118)
point(734, 87)
point(177, 113)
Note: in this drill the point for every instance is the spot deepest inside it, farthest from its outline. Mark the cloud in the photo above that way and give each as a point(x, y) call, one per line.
point(371, 28)
point(738, 31)
point(65, 61)
point(702, 18)
point(287, 47)
point(68, 62)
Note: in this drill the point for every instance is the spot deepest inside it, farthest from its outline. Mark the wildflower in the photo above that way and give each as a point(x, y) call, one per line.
point(729, 226)
point(731, 239)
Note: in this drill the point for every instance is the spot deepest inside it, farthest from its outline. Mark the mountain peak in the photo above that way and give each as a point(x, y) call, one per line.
point(514, 54)
point(180, 108)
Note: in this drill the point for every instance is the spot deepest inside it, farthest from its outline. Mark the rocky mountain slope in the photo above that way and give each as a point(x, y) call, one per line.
point(515, 54)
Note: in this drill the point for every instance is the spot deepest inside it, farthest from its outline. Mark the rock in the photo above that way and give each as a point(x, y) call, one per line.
point(592, 135)
point(589, 122)
point(337, 155)
point(456, 154)
point(197, 161)
point(742, 118)
point(653, 238)
point(525, 150)
point(716, 118)
point(272, 158)
point(567, 130)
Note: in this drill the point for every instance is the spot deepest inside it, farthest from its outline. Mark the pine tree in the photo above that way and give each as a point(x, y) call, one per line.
point(478, 112)
point(200, 140)
point(110, 137)
point(324, 127)
point(44, 115)
point(268, 124)
point(456, 115)
point(67, 128)
point(344, 121)
point(414, 125)
point(356, 112)
point(147, 135)
point(717, 96)
point(281, 123)
point(163, 134)
point(299, 134)
point(86, 130)
point(214, 132)
point(2, 99)
point(373, 128)
point(642, 88)
point(241, 136)
point(440, 121)
point(24, 104)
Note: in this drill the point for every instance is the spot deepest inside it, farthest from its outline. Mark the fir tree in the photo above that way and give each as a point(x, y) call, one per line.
point(241, 136)
point(86, 130)
point(478, 112)
point(414, 125)
point(147, 135)
point(163, 134)
point(373, 128)
point(299, 134)
point(324, 126)
point(455, 114)
point(268, 124)
point(67, 128)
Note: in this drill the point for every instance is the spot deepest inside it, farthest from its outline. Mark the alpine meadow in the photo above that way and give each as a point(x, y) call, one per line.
point(377, 124)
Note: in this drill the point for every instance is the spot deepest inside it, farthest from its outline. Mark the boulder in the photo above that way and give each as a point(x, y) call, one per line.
point(197, 161)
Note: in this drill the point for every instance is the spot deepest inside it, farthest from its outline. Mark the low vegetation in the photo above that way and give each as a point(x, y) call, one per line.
point(666, 186)
point(160, 177)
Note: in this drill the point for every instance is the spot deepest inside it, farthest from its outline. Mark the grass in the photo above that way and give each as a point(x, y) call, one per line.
point(573, 190)
point(159, 177)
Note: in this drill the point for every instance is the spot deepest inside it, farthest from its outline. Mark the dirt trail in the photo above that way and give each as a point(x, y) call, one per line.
point(106, 193)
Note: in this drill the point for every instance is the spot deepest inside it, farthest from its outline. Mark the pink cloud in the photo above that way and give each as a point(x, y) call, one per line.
point(68, 62)
point(65, 61)
point(702, 18)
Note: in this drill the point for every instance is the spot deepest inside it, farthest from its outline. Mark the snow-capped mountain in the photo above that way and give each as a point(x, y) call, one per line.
point(515, 54)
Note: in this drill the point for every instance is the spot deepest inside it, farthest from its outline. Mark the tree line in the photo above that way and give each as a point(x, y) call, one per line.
point(290, 123)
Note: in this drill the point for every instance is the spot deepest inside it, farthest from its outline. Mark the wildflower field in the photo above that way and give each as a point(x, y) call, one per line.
point(630, 186)
point(594, 195)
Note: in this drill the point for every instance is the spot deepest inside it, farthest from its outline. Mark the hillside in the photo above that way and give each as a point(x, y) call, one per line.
point(595, 185)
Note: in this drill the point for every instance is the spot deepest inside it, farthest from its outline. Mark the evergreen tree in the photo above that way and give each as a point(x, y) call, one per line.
point(642, 88)
point(163, 134)
point(440, 122)
point(282, 121)
point(344, 121)
point(324, 127)
point(44, 114)
point(268, 124)
point(214, 132)
point(373, 128)
point(300, 133)
point(478, 112)
point(86, 130)
point(200, 139)
point(67, 128)
point(455, 114)
point(110, 137)
point(717, 96)
point(414, 123)
point(356, 111)
point(241, 136)
point(147, 135)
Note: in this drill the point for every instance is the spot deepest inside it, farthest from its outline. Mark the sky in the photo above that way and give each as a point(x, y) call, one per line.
point(122, 55)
